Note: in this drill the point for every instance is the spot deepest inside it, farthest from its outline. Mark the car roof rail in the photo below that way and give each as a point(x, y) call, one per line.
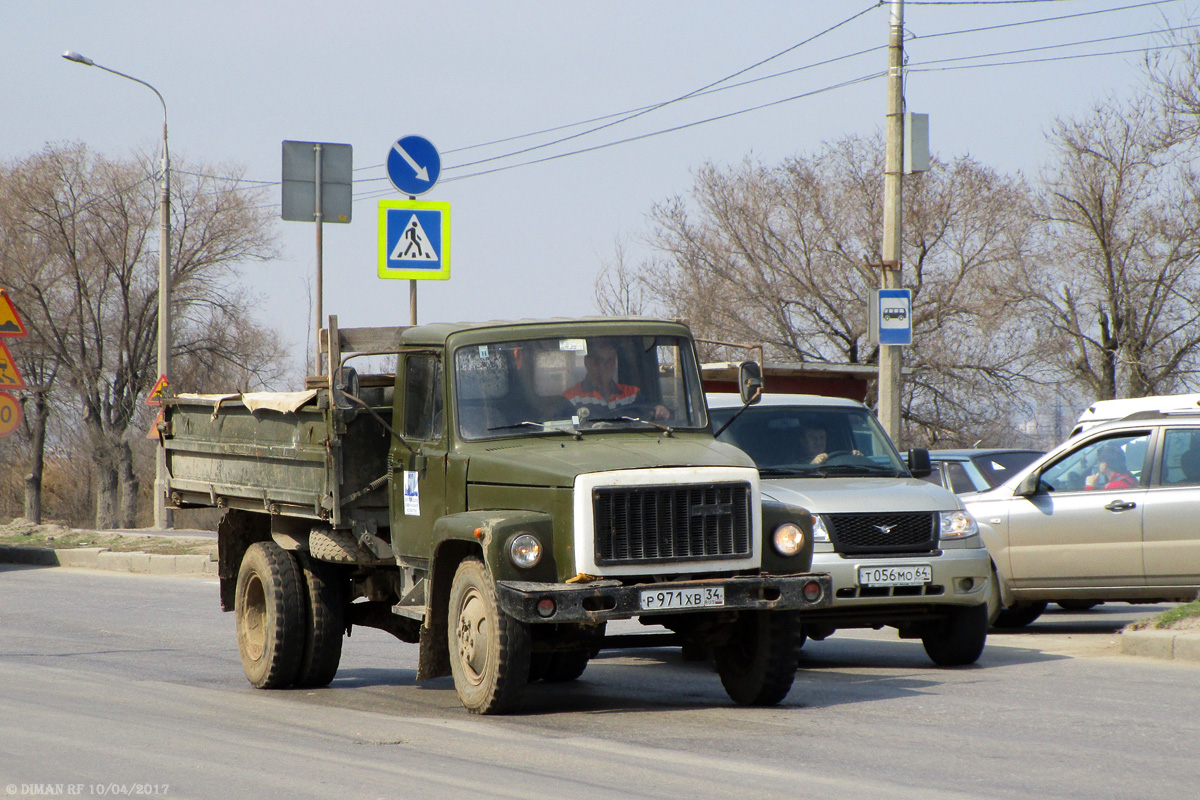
point(1162, 413)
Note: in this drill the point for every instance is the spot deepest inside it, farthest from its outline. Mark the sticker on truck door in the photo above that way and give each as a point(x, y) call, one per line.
point(412, 495)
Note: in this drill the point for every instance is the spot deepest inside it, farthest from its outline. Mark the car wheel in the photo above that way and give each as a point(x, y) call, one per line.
point(1078, 605)
point(958, 640)
point(1018, 615)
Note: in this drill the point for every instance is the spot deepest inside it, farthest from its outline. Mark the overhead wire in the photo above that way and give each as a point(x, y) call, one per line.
point(715, 86)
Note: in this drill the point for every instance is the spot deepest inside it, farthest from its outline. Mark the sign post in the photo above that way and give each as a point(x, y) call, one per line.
point(318, 184)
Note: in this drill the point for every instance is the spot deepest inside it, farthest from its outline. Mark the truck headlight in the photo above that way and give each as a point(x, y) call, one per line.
point(788, 539)
point(958, 525)
point(820, 532)
point(524, 550)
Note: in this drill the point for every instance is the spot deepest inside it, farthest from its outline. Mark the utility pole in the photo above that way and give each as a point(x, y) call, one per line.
point(890, 356)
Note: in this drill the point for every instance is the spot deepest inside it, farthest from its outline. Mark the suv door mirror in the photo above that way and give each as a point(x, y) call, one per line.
point(1029, 486)
point(750, 382)
point(918, 462)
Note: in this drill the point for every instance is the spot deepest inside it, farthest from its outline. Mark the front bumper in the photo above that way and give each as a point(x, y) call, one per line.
point(610, 599)
point(959, 578)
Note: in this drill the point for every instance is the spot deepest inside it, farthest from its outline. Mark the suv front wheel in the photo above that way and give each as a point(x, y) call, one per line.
point(959, 639)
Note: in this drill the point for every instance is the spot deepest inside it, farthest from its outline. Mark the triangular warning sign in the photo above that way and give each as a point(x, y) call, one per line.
point(156, 394)
point(10, 377)
point(10, 321)
point(414, 244)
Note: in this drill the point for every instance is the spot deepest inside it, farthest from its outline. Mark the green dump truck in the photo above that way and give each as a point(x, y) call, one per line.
point(500, 497)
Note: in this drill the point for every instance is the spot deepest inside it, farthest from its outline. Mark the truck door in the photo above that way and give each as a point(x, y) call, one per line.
point(419, 479)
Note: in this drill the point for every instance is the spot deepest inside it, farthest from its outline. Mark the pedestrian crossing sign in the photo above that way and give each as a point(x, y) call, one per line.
point(414, 239)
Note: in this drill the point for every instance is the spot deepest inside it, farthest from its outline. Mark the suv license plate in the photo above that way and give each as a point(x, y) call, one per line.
point(911, 575)
point(704, 597)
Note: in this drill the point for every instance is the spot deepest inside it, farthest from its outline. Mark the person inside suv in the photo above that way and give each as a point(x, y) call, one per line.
point(1111, 472)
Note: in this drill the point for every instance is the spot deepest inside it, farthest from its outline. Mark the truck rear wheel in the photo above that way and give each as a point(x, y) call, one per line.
point(489, 650)
point(959, 640)
point(758, 663)
point(326, 623)
point(269, 607)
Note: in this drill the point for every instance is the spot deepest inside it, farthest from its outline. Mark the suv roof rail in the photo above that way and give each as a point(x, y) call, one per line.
point(1161, 413)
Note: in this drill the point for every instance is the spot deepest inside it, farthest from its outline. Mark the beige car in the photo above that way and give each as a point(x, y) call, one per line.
point(1110, 514)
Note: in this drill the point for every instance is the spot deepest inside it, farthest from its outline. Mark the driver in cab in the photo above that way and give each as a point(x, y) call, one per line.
point(599, 390)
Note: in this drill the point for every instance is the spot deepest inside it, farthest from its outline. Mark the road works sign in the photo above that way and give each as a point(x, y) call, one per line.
point(414, 240)
point(10, 377)
point(155, 397)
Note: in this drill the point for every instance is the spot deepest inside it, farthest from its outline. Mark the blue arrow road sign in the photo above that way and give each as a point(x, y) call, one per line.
point(413, 165)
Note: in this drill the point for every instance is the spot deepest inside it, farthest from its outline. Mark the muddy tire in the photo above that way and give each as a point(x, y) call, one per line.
point(958, 640)
point(269, 605)
point(758, 663)
point(1018, 615)
point(489, 650)
point(326, 622)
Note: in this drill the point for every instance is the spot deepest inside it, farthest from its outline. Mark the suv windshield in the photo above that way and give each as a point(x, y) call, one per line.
point(535, 387)
point(811, 441)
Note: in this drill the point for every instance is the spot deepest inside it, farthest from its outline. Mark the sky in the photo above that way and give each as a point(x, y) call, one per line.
point(529, 239)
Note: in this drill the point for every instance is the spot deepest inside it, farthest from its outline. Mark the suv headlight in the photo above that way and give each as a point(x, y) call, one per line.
point(958, 525)
point(820, 532)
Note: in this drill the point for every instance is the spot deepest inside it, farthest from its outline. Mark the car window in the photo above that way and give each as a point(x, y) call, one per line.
point(1114, 462)
point(996, 468)
point(1181, 457)
point(960, 481)
point(935, 475)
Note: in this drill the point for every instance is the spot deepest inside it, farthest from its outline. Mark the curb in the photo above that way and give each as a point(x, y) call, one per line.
point(1166, 644)
point(200, 566)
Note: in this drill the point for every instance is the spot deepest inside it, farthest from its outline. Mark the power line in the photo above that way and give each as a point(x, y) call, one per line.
point(923, 66)
point(1044, 19)
point(1057, 46)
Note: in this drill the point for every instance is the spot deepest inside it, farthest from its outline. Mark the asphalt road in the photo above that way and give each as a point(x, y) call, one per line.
point(131, 684)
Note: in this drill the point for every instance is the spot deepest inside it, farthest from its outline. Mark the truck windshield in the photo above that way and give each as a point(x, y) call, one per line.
point(552, 386)
point(811, 441)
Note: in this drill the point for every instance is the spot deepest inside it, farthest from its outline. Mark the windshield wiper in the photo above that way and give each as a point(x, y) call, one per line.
point(781, 472)
point(851, 469)
point(541, 426)
point(658, 425)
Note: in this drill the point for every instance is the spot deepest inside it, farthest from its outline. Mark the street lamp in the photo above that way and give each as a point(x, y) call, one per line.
point(162, 518)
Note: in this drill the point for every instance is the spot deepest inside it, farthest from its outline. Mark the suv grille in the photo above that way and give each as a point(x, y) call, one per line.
point(861, 534)
point(645, 524)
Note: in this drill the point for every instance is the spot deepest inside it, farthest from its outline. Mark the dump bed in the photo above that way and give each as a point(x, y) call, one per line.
point(287, 453)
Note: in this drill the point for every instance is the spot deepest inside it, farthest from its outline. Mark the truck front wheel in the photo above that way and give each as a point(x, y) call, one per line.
point(758, 663)
point(489, 650)
point(269, 605)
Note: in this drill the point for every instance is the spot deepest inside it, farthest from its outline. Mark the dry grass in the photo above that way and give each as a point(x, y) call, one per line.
point(22, 533)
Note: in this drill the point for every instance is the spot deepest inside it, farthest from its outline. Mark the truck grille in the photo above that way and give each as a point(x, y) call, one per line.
point(646, 524)
point(878, 534)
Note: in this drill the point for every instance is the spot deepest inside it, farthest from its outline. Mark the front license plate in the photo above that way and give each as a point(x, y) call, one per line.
point(911, 575)
point(704, 597)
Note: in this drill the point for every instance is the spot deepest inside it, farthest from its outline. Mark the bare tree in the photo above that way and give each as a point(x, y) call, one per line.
point(1113, 298)
point(93, 299)
point(786, 257)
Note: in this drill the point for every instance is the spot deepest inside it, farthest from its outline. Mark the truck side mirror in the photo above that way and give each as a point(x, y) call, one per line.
point(918, 462)
point(347, 383)
point(750, 382)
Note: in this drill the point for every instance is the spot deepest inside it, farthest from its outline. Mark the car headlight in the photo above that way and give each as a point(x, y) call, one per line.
point(820, 532)
point(788, 539)
point(524, 550)
point(958, 525)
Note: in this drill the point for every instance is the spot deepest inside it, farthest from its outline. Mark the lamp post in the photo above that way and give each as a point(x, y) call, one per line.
point(162, 517)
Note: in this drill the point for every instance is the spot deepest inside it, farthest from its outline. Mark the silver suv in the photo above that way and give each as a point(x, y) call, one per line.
point(1110, 514)
point(902, 552)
